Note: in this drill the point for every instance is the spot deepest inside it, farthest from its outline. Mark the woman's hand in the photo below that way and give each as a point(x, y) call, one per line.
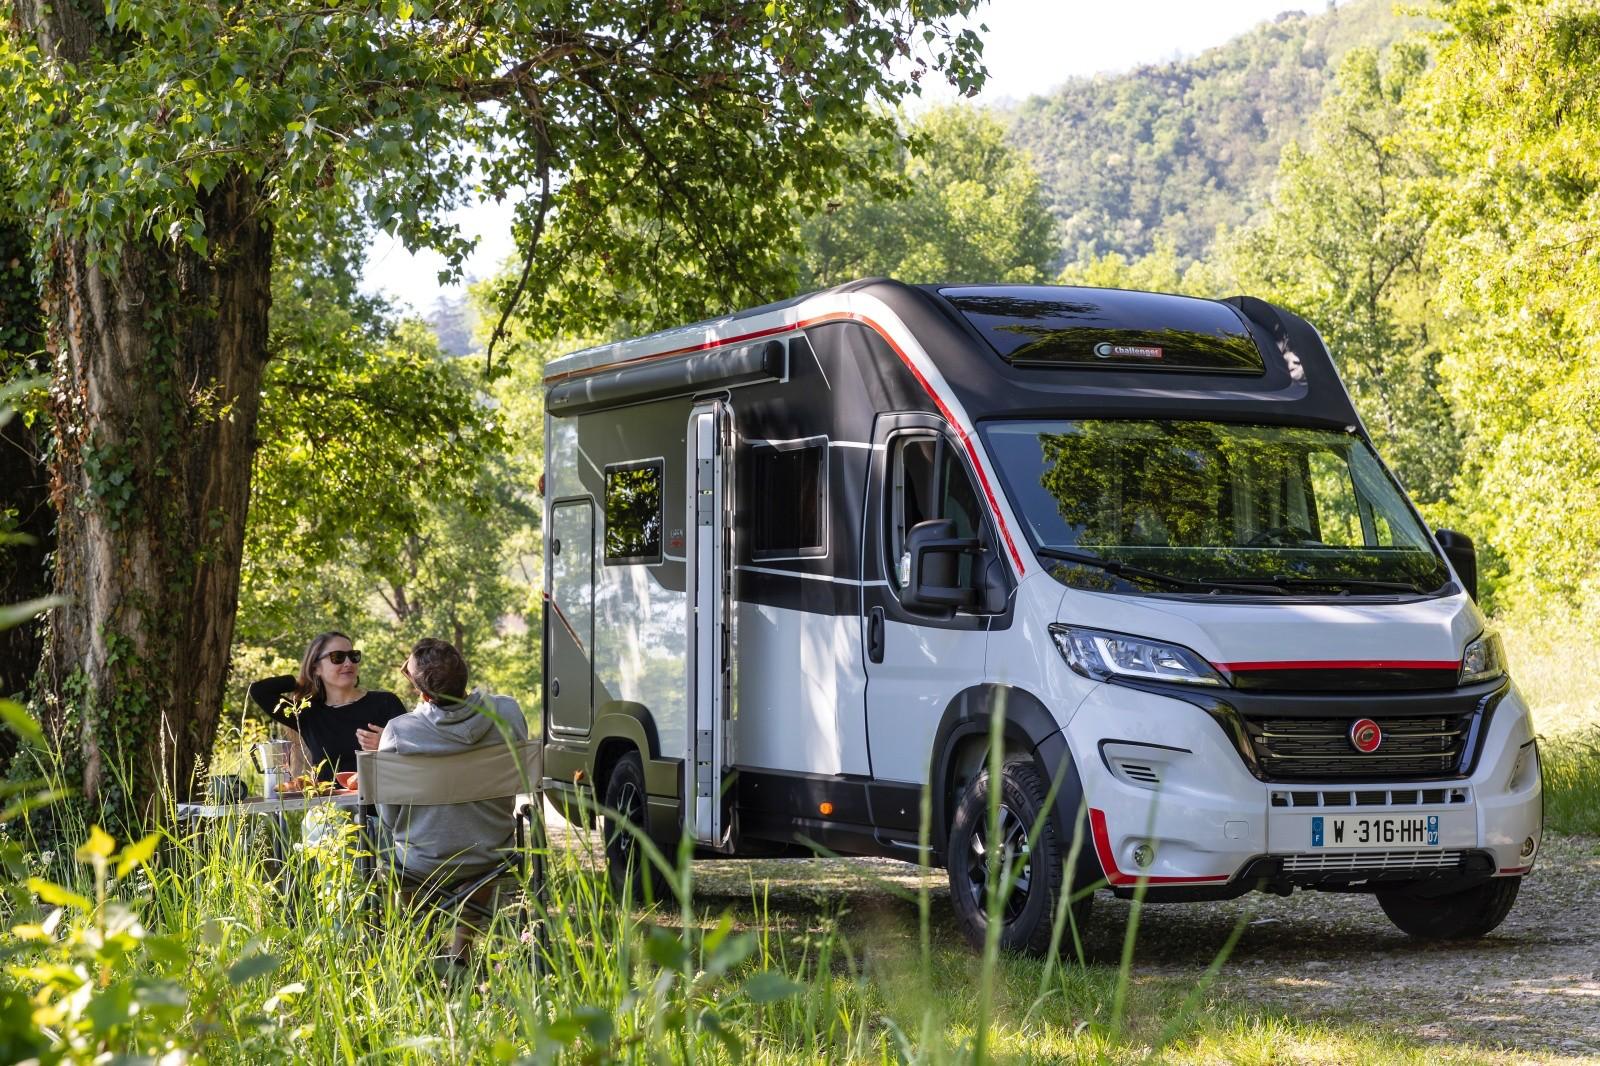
point(368, 738)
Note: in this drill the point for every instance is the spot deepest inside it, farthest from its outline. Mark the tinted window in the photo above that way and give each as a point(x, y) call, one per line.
point(633, 512)
point(1050, 326)
point(789, 489)
point(1205, 502)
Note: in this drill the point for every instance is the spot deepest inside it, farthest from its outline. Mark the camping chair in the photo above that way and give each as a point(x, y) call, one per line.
point(489, 772)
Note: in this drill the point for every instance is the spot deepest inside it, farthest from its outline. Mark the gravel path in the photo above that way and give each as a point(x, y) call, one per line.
point(1531, 989)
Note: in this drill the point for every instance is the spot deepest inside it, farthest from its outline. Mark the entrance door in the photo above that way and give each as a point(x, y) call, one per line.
point(709, 555)
point(569, 620)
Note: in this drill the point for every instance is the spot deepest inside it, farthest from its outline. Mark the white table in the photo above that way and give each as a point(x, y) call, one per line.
point(277, 806)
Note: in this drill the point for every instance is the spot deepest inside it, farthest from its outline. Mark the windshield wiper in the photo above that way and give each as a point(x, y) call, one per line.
point(1346, 583)
point(1121, 569)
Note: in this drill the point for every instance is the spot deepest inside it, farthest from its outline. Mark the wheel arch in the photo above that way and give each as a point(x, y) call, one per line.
point(960, 749)
point(622, 726)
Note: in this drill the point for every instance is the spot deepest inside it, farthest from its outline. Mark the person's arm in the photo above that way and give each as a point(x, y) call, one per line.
point(269, 694)
point(386, 711)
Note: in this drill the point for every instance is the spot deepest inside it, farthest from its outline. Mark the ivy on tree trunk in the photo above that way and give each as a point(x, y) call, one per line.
point(157, 376)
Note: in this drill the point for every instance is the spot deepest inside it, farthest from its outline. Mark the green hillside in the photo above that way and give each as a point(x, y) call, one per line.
point(1179, 148)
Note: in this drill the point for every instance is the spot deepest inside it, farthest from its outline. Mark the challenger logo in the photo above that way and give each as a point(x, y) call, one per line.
point(1107, 350)
point(1365, 736)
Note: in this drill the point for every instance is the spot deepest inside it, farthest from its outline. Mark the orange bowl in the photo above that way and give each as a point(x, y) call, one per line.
point(346, 779)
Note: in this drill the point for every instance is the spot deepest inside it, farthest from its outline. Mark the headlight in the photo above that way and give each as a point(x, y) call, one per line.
point(1100, 655)
point(1483, 659)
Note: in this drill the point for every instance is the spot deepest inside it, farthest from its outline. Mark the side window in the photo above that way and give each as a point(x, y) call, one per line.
point(633, 512)
point(927, 481)
point(790, 489)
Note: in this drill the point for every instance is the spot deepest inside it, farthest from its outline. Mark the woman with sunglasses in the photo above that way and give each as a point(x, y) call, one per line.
point(325, 706)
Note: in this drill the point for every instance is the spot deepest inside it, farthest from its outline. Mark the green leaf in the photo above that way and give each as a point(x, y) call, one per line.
point(100, 845)
point(58, 895)
point(770, 987)
point(137, 854)
point(16, 717)
point(251, 967)
point(666, 950)
point(16, 614)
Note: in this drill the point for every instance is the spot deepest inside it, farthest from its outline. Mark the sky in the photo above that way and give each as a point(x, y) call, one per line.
point(1031, 47)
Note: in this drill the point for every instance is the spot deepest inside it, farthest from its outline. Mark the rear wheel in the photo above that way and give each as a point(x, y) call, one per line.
point(632, 875)
point(1464, 915)
point(1028, 909)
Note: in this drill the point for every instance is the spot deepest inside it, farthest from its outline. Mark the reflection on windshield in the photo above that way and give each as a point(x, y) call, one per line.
point(1206, 502)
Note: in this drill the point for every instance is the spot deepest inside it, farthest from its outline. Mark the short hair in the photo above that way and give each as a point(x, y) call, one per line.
point(438, 669)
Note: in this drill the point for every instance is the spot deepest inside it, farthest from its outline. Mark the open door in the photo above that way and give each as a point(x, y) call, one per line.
point(569, 618)
point(709, 555)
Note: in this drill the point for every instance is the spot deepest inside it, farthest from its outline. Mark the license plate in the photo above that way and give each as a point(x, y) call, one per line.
point(1375, 831)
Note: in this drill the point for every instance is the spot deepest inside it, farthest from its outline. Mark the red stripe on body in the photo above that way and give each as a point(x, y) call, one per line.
point(839, 316)
point(1108, 860)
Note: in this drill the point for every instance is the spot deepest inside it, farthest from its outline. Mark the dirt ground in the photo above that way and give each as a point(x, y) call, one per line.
point(1532, 988)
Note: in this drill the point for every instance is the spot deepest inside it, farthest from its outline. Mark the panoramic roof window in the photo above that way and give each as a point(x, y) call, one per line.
point(1047, 326)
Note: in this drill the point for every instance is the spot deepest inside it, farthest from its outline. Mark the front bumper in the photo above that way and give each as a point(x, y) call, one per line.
point(1172, 804)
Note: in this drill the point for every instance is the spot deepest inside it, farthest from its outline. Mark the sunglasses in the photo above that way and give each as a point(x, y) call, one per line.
point(338, 657)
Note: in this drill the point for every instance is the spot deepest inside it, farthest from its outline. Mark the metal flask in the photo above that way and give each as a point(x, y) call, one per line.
point(272, 759)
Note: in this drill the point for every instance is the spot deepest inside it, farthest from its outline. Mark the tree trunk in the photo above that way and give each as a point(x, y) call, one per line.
point(156, 385)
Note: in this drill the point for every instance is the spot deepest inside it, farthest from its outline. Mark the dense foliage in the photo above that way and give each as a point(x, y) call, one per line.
point(1437, 223)
point(1176, 149)
point(953, 203)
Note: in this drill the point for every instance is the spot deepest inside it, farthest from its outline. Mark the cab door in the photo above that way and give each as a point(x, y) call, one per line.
point(917, 661)
point(708, 551)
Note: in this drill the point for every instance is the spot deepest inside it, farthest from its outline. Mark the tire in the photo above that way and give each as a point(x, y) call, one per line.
point(1464, 915)
point(632, 875)
point(1030, 907)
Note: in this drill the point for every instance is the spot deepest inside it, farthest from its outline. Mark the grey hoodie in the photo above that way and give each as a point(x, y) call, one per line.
point(468, 838)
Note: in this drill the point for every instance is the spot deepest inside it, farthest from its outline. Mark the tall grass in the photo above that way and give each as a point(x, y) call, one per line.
point(203, 949)
point(1550, 655)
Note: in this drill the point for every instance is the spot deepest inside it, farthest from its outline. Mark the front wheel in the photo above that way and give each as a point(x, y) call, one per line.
point(1028, 851)
point(1464, 915)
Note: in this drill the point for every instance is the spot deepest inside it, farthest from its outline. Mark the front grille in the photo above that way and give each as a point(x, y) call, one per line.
point(1319, 749)
point(1369, 797)
point(1369, 861)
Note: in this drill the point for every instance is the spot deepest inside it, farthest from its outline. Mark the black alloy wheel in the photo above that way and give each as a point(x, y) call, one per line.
point(631, 872)
point(1027, 848)
point(1015, 852)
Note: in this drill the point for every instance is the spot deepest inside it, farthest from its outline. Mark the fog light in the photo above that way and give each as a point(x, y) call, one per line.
point(1143, 856)
point(1527, 848)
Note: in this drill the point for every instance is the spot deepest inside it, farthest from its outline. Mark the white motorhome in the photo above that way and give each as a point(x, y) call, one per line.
point(795, 557)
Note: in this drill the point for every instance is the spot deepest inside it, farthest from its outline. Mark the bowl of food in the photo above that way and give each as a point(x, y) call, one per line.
point(346, 780)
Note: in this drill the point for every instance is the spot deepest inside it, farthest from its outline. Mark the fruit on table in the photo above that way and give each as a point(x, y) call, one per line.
point(306, 785)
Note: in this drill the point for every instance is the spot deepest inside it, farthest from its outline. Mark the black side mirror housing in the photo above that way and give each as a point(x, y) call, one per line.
point(936, 552)
point(1458, 548)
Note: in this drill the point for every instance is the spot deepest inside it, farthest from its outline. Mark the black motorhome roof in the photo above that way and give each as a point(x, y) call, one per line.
point(1240, 359)
point(1042, 351)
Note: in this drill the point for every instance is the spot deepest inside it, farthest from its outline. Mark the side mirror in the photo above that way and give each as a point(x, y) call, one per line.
point(936, 553)
point(1457, 547)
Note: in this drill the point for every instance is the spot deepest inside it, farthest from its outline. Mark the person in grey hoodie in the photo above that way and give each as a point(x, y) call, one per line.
point(448, 843)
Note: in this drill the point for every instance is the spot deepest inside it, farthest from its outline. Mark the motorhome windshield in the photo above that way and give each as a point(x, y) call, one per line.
point(1210, 507)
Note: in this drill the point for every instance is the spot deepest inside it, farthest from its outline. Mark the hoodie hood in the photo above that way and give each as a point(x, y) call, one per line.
point(436, 729)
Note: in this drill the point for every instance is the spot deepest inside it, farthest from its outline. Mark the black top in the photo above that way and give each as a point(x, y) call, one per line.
point(329, 732)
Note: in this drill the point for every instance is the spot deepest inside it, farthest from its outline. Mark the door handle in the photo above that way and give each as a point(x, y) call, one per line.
point(875, 635)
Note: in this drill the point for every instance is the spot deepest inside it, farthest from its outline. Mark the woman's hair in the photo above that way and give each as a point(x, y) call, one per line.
point(308, 686)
